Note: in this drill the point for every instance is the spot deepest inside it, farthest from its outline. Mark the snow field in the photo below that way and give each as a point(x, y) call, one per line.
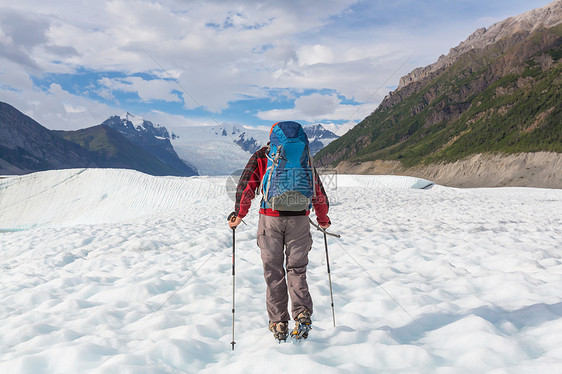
point(425, 281)
point(87, 196)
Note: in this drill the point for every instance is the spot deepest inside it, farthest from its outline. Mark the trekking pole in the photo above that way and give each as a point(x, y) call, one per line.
point(233, 280)
point(323, 230)
point(232, 217)
point(329, 278)
point(328, 263)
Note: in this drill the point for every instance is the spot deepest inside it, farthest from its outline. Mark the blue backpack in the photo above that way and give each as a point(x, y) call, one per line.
point(288, 183)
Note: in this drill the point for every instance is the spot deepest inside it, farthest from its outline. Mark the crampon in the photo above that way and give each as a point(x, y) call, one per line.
point(280, 330)
point(302, 327)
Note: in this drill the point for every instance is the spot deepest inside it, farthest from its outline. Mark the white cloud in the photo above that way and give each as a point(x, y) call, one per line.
point(58, 109)
point(344, 128)
point(221, 51)
point(316, 54)
point(147, 90)
point(338, 129)
point(317, 105)
point(24, 30)
point(74, 109)
point(176, 121)
point(314, 108)
point(13, 77)
point(217, 64)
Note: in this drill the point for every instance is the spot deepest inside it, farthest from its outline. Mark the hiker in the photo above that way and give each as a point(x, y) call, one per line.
point(290, 187)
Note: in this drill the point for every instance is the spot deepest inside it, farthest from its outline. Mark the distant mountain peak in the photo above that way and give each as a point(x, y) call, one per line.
point(153, 138)
point(319, 132)
point(129, 123)
point(136, 121)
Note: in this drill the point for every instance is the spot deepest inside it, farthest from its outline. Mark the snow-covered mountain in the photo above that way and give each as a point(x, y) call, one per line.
point(318, 137)
point(217, 150)
point(211, 150)
point(222, 150)
point(134, 125)
point(153, 138)
point(249, 139)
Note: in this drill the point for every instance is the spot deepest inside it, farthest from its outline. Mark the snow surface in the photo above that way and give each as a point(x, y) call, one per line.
point(137, 121)
point(129, 273)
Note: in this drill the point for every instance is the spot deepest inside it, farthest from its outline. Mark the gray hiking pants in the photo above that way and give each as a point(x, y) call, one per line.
point(285, 239)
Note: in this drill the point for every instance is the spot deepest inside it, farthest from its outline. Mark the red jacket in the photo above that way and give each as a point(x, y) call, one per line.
point(250, 181)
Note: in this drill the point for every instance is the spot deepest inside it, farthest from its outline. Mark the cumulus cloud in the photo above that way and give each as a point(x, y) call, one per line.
point(58, 109)
point(13, 78)
point(221, 52)
point(19, 34)
point(147, 90)
point(316, 54)
point(25, 31)
point(250, 42)
point(317, 105)
point(173, 121)
point(314, 108)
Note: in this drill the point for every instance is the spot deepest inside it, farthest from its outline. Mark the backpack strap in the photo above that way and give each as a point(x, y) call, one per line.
point(313, 173)
point(260, 188)
point(274, 161)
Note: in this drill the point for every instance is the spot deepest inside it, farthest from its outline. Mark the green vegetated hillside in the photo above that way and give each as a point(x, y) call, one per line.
point(114, 150)
point(504, 98)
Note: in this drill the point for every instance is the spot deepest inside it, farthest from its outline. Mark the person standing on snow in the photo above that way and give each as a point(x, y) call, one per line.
point(290, 186)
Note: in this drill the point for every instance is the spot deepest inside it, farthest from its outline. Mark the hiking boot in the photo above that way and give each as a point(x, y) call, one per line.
point(280, 330)
point(303, 324)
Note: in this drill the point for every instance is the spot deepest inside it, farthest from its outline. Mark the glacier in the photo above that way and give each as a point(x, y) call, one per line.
point(118, 271)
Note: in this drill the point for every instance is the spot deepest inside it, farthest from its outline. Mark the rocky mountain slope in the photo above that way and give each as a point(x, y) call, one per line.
point(26, 146)
point(529, 22)
point(113, 150)
point(154, 139)
point(497, 92)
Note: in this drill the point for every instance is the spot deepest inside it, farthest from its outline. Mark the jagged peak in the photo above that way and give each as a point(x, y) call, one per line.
point(135, 123)
point(319, 131)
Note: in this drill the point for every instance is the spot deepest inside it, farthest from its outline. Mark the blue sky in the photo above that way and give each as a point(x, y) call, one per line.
point(72, 64)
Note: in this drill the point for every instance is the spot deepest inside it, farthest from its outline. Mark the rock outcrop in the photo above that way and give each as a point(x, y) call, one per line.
point(546, 17)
